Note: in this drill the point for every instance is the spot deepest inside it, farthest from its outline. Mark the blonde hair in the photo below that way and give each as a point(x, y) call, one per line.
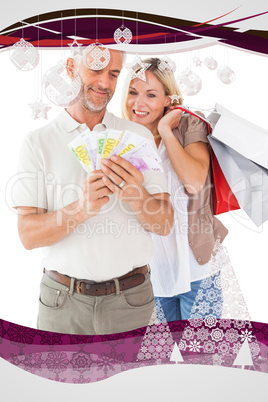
point(166, 78)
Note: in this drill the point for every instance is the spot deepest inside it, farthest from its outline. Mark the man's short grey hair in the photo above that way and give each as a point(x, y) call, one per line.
point(77, 59)
point(124, 57)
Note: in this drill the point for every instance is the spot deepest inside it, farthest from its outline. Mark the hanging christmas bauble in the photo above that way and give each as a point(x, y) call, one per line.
point(96, 56)
point(189, 83)
point(76, 48)
point(39, 109)
point(210, 63)
point(61, 88)
point(137, 68)
point(197, 62)
point(226, 74)
point(166, 65)
point(122, 35)
point(175, 99)
point(24, 55)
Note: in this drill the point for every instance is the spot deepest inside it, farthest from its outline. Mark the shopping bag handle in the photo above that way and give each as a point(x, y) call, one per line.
point(186, 110)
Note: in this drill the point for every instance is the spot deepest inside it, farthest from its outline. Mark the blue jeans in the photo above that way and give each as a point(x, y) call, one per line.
point(204, 299)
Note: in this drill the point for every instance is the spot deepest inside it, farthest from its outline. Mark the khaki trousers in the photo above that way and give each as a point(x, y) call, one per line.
point(63, 310)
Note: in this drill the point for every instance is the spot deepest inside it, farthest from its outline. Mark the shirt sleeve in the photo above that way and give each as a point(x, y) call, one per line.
point(28, 189)
point(196, 131)
point(155, 182)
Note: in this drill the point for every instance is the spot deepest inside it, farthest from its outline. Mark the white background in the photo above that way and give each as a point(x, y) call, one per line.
point(246, 97)
point(21, 270)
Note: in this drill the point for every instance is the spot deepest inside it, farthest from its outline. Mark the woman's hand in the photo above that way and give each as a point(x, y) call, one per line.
point(169, 121)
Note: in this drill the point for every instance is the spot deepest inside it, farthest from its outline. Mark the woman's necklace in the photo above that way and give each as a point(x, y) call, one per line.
point(157, 135)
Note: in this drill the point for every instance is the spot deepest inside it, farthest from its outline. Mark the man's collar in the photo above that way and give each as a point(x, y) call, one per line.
point(69, 124)
point(108, 120)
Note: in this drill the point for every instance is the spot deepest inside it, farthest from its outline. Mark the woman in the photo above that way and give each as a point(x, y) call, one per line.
point(185, 280)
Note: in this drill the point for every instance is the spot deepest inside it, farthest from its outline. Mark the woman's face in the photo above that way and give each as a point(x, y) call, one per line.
point(146, 101)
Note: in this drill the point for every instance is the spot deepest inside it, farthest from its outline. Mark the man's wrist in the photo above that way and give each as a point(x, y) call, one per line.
point(76, 212)
point(137, 204)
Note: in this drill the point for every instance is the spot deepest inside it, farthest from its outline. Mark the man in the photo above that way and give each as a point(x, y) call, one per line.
point(93, 229)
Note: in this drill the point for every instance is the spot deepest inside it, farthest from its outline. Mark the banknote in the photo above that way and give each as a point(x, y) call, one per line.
point(91, 147)
point(79, 148)
point(111, 142)
point(144, 162)
point(91, 143)
point(101, 137)
point(128, 141)
point(145, 148)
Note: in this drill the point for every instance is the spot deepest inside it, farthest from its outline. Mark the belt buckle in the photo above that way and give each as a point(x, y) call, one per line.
point(81, 286)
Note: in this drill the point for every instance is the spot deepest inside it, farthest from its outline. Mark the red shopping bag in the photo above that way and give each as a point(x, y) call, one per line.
point(223, 199)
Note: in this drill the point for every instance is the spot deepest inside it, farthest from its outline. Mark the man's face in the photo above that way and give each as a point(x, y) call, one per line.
point(98, 86)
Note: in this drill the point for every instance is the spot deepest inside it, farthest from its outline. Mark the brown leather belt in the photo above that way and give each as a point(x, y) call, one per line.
point(91, 288)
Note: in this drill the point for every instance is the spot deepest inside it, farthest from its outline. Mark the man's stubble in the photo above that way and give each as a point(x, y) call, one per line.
point(92, 105)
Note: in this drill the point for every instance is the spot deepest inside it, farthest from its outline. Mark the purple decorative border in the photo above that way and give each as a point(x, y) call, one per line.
point(57, 27)
point(84, 359)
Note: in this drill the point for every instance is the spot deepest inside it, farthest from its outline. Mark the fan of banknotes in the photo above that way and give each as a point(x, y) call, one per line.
point(91, 147)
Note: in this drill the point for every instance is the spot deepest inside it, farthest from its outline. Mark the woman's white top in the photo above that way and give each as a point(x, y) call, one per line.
point(173, 265)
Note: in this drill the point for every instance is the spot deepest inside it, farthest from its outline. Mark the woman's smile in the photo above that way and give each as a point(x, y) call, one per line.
point(140, 113)
point(146, 101)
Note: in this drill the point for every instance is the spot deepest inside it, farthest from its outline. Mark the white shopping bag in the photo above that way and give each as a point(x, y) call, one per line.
point(241, 135)
point(247, 180)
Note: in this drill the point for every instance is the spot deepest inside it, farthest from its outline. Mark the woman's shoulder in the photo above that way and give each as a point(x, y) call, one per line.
point(192, 128)
point(195, 122)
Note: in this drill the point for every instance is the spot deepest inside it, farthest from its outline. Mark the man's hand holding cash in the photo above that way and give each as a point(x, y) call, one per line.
point(115, 161)
point(123, 179)
point(95, 193)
